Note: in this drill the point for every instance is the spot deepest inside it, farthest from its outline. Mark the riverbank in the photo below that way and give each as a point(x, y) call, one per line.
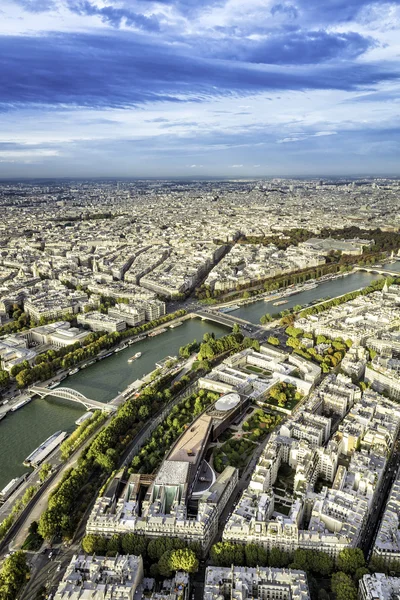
point(24, 430)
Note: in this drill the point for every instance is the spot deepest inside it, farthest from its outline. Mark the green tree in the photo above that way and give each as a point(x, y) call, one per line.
point(184, 560)
point(343, 586)
point(134, 544)
point(44, 472)
point(350, 559)
point(273, 340)
point(13, 574)
point(164, 564)
point(4, 378)
point(95, 544)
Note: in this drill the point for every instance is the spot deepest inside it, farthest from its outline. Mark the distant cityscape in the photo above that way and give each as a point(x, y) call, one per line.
point(263, 462)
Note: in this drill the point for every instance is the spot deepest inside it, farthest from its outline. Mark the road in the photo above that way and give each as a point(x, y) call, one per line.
point(41, 504)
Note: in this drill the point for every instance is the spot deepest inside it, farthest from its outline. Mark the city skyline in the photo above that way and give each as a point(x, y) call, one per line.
point(208, 89)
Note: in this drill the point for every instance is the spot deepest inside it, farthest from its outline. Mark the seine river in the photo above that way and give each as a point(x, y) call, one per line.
point(22, 431)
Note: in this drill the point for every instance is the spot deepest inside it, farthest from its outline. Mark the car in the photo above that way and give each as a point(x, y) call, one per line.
point(50, 554)
point(58, 568)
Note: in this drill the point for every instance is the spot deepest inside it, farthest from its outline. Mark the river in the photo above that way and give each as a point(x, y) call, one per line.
point(22, 431)
point(336, 287)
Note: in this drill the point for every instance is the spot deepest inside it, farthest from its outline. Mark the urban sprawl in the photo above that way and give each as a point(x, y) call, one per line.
point(261, 464)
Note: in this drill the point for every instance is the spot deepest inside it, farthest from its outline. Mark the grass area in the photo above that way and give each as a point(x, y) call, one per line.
point(260, 424)
point(235, 452)
point(34, 540)
point(228, 433)
point(258, 371)
point(289, 405)
point(284, 481)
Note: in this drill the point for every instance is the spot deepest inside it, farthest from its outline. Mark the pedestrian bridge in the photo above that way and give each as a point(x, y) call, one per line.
point(72, 395)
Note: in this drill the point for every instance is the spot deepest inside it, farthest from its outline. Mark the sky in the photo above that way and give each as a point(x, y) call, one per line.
point(197, 88)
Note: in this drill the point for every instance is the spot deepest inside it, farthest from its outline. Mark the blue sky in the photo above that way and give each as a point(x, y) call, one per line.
point(199, 87)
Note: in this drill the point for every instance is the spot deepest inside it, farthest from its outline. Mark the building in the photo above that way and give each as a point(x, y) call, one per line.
point(101, 577)
point(186, 497)
point(387, 541)
point(96, 321)
point(241, 583)
point(378, 586)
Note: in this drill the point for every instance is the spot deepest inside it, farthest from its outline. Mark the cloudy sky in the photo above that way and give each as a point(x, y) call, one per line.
point(199, 87)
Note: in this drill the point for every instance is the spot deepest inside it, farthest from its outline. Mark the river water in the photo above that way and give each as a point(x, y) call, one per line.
point(22, 431)
point(336, 287)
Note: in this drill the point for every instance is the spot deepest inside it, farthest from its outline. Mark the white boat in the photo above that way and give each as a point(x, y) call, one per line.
point(42, 451)
point(53, 385)
point(11, 487)
point(121, 348)
point(73, 371)
point(178, 324)
point(20, 404)
point(134, 357)
point(84, 417)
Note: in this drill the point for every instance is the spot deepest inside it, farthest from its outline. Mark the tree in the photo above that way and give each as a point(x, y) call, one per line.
point(235, 328)
point(343, 586)
point(13, 575)
point(184, 560)
point(267, 318)
point(278, 558)
point(273, 341)
point(144, 412)
point(134, 544)
point(164, 564)
point(4, 378)
point(350, 559)
point(95, 544)
point(44, 471)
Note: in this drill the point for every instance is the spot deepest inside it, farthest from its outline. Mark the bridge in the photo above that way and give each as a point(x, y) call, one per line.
point(379, 271)
point(73, 396)
point(253, 330)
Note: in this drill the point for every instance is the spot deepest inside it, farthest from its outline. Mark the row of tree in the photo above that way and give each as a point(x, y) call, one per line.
point(18, 506)
point(345, 571)
point(68, 501)
point(161, 556)
point(81, 434)
point(161, 440)
point(372, 287)
point(48, 363)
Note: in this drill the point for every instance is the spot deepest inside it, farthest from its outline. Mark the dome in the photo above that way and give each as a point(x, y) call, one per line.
point(227, 402)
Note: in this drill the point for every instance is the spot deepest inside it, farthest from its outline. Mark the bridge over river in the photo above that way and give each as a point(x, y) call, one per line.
point(73, 396)
point(379, 271)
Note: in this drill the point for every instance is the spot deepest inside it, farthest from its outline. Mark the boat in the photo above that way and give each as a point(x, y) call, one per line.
point(37, 456)
point(134, 357)
point(229, 309)
point(74, 371)
point(11, 487)
point(121, 348)
point(53, 385)
point(20, 404)
point(91, 362)
point(178, 324)
point(280, 302)
point(158, 332)
point(138, 339)
point(84, 417)
point(105, 355)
